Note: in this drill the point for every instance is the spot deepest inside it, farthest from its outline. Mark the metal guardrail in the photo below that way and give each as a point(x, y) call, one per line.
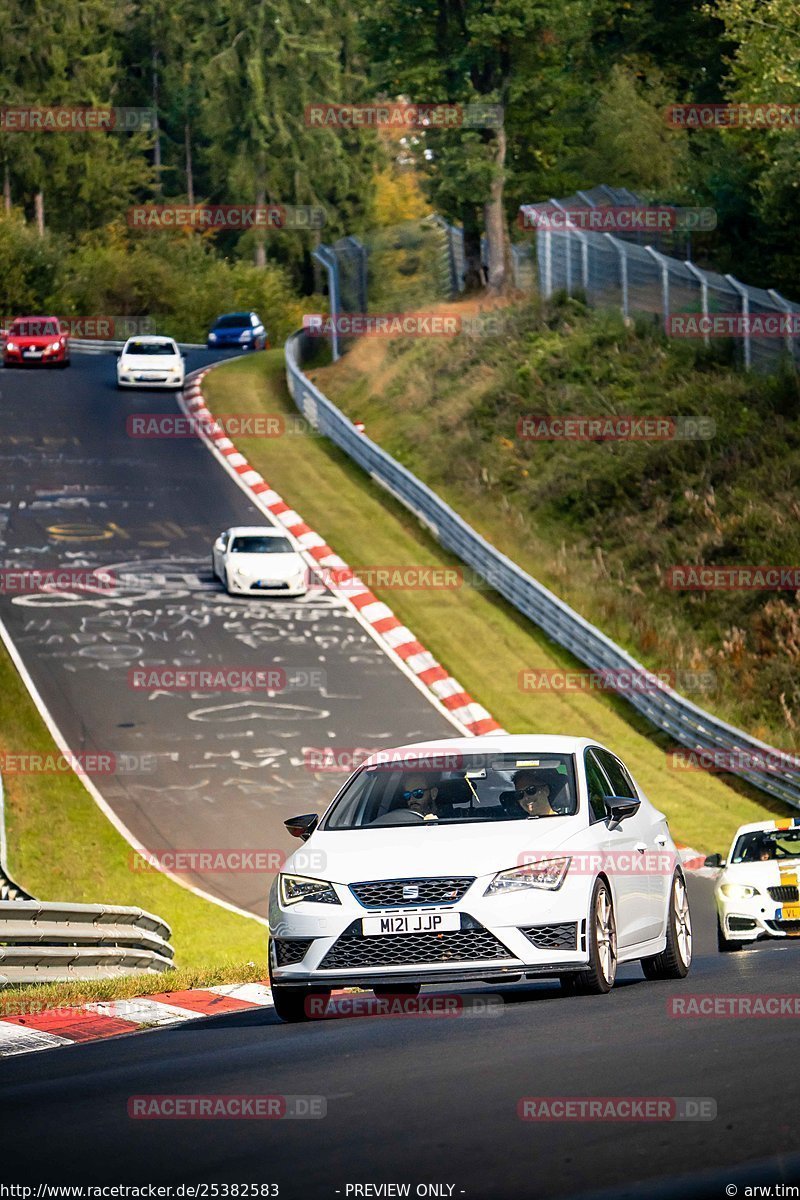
point(42, 942)
point(688, 724)
point(93, 346)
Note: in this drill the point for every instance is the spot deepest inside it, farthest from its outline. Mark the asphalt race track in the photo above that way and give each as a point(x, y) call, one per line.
point(191, 770)
point(434, 1101)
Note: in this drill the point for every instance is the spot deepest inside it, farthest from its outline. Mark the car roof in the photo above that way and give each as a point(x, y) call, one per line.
point(260, 530)
point(238, 313)
point(492, 743)
point(36, 317)
point(150, 337)
point(767, 826)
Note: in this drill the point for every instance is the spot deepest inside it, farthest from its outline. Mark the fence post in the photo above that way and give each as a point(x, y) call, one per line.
point(623, 270)
point(701, 276)
point(543, 237)
point(324, 255)
point(662, 262)
point(745, 296)
point(786, 307)
point(567, 243)
point(361, 270)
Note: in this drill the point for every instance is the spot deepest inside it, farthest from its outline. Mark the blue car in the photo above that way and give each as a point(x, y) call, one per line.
point(245, 329)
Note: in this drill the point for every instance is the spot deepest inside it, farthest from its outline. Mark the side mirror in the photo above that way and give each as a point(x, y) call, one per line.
point(619, 808)
point(302, 827)
point(714, 860)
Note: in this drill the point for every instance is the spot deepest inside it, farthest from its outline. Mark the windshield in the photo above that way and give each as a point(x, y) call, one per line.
point(233, 321)
point(35, 329)
point(457, 789)
point(763, 845)
point(151, 348)
point(261, 545)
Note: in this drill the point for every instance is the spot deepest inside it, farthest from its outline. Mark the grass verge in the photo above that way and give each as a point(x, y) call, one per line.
point(482, 640)
point(62, 847)
point(42, 997)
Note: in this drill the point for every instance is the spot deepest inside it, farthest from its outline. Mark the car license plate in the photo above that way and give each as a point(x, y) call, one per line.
point(411, 923)
point(790, 912)
point(32, 353)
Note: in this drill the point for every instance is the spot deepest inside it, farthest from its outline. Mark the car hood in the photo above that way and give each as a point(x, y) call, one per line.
point(762, 874)
point(404, 852)
point(151, 362)
point(232, 331)
point(267, 566)
point(30, 342)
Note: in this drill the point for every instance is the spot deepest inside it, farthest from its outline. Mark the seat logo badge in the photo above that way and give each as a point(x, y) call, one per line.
point(410, 891)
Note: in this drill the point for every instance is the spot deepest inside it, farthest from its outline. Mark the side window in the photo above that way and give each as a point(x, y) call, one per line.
point(620, 780)
point(598, 785)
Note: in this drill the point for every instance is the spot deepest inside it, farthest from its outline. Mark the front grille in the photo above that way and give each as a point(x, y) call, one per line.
point(553, 937)
point(388, 893)
point(792, 927)
point(740, 924)
point(414, 949)
point(290, 950)
point(786, 894)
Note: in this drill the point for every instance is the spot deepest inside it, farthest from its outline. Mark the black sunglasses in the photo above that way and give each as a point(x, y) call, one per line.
point(531, 789)
point(417, 793)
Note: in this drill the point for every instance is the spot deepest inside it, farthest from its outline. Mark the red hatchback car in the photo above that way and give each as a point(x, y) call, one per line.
point(36, 340)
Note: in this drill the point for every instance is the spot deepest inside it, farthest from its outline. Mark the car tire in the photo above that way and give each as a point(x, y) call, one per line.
point(397, 989)
point(725, 945)
point(599, 978)
point(293, 1004)
point(675, 959)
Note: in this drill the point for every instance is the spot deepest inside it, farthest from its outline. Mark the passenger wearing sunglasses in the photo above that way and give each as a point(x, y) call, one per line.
point(419, 797)
point(532, 793)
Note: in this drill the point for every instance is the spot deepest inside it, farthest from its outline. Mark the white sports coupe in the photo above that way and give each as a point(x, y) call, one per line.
point(496, 859)
point(259, 559)
point(757, 892)
point(147, 361)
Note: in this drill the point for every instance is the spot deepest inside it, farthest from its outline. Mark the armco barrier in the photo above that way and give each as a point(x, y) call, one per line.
point(41, 942)
point(88, 346)
point(688, 724)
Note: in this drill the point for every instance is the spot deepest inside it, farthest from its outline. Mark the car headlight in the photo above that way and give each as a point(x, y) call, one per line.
point(738, 891)
point(547, 873)
point(212, 337)
point(246, 335)
point(54, 346)
point(11, 345)
point(294, 888)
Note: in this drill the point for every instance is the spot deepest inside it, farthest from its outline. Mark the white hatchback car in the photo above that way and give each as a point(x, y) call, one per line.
point(757, 893)
point(495, 859)
point(259, 559)
point(147, 361)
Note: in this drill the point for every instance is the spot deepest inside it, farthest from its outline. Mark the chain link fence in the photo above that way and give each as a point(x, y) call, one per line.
point(634, 273)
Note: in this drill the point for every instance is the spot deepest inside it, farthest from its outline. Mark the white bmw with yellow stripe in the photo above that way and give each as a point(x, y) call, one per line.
point(757, 892)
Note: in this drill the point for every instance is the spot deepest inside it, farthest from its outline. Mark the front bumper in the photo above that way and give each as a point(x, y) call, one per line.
point(245, 587)
point(324, 946)
point(757, 917)
point(16, 359)
point(129, 380)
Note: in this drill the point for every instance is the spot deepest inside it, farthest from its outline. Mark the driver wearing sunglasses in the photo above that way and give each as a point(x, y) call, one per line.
point(419, 797)
point(532, 793)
